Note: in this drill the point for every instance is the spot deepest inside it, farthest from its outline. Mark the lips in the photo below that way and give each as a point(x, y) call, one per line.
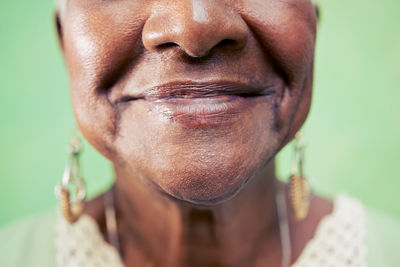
point(199, 104)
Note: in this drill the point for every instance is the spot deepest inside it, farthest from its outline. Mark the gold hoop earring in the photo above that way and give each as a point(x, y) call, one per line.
point(299, 187)
point(72, 204)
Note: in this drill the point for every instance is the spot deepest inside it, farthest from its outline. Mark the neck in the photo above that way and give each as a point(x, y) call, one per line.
point(155, 228)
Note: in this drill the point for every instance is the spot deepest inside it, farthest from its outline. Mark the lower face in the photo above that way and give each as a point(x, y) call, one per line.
point(196, 128)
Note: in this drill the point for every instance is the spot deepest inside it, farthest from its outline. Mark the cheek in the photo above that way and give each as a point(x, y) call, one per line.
point(286, 30)
point(95, 117)
point(99, 46)
point(96, 120)
point(96, 54)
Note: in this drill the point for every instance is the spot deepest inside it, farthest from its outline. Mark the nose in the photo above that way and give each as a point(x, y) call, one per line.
point(195, 26)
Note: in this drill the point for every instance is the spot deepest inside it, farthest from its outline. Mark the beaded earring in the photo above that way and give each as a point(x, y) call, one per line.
point(299, 188)
point(72, 204)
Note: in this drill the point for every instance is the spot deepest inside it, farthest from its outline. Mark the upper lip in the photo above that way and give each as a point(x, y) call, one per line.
point(190, 89)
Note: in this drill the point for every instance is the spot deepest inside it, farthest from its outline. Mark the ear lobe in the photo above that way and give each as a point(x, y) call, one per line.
point(318, 12)
point(59, 29)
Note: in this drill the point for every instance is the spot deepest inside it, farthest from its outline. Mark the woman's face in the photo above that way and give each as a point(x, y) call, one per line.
point(194, 96)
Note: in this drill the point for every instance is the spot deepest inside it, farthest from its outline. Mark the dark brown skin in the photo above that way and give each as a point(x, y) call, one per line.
point(191, 100)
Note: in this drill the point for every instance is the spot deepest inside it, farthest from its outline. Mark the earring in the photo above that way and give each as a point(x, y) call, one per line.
point(71, 205)
point(299, 188)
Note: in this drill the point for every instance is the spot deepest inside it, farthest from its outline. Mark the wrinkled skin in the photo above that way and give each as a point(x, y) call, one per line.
point(118, 48)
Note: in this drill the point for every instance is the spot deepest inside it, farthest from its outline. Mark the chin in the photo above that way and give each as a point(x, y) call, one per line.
point(207, 186)
point(198, 166)
point(201, 198)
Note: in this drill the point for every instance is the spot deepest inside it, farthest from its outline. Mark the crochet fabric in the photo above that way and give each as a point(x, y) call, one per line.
point(338, 241)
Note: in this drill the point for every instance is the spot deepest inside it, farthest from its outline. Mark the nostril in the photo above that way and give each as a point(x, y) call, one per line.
point(228, 44)
point(224, 46)
point(167, 45)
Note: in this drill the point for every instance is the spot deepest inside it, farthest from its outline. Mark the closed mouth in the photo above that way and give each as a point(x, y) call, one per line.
point(189, 90)
point(199, 104)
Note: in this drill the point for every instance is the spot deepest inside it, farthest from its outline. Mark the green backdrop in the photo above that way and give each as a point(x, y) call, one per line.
point(353, 131)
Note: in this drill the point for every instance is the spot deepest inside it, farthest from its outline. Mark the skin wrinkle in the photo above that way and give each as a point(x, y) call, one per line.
point(268, 43)
point(122, 70)
point(268, 54)
point(288, 79)
point(133, 233)
point(213, 163)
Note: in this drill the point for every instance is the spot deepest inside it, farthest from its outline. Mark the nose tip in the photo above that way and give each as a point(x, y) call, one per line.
point(200, 26)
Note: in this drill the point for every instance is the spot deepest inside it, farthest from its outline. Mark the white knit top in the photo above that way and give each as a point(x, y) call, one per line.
point(339, 241)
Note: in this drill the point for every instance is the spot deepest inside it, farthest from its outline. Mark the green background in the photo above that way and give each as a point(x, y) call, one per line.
point(353, 131)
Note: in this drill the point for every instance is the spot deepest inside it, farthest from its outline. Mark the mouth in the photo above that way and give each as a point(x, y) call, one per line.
point(190, 90)
point(199, 104)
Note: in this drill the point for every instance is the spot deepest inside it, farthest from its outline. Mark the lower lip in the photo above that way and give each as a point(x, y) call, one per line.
point(206, 111)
